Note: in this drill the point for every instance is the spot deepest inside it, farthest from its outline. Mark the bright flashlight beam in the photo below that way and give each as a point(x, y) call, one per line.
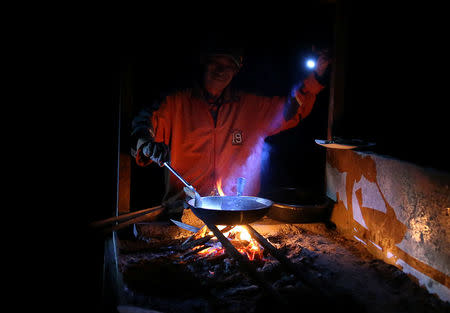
point(310, 64)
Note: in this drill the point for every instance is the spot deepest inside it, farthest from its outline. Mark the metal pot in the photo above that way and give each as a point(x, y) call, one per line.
point(298, 205)
point(230, 210)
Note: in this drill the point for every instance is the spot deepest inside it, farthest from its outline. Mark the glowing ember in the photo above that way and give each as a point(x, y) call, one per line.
point(241, 240)
point(212, 251)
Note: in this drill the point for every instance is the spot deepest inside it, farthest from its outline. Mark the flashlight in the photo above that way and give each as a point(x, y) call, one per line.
point(310, 64)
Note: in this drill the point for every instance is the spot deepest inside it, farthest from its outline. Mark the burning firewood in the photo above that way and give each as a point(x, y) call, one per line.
point(193, 244)
point(193, 252)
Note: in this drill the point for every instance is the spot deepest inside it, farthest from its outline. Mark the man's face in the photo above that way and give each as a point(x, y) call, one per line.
point(220, 70)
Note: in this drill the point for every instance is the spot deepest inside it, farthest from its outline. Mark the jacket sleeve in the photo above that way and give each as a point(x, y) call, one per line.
point(289, 111)
point(152, 123)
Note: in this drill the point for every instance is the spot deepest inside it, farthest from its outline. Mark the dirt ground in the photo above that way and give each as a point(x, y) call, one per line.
point(345, 266)
point(349, 277)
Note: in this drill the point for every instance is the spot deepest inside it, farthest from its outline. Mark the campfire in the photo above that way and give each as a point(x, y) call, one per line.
point(239, 237)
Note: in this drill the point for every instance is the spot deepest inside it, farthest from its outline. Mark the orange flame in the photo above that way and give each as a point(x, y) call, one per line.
point(219, 187)
point(241, 239)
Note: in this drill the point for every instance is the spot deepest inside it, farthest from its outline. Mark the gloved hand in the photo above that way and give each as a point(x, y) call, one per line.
point(157, 152)
point(323, 62)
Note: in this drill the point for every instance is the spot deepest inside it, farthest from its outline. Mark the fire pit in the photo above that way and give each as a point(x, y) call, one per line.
point(168, 269)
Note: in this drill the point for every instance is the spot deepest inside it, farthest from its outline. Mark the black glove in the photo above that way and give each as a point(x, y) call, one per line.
point(157, 152)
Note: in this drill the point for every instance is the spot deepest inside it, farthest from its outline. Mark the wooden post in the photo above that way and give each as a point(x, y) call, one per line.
point(126, 103)
point(124, 183)
point(338, 69)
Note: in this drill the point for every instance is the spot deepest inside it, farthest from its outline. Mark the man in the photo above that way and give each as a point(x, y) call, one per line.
point(213, 134)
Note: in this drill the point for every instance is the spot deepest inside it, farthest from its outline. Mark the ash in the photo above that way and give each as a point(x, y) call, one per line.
point(162, 275)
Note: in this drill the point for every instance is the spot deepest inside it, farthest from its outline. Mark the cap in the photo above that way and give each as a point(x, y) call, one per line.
point(235, 54)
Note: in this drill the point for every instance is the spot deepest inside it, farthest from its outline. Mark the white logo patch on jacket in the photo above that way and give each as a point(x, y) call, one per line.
point(236, 137)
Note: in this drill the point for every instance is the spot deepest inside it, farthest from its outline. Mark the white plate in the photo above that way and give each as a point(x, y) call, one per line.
point(349, 144)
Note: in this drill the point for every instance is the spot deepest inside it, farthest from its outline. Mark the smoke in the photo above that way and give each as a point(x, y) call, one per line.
point(257, 164)
point(251, 169)
point(265, 157)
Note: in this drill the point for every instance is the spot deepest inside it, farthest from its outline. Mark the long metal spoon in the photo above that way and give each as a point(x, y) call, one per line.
point(190, 189)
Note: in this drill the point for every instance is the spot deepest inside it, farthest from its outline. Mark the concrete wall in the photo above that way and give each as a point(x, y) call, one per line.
point(399, 211)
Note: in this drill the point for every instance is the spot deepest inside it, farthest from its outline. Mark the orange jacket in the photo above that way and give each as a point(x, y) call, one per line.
point(205, 154)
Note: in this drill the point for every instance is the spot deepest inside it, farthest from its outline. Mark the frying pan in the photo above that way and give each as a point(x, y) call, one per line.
point(226, 210)
point(230, 210)
point(299, 205)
